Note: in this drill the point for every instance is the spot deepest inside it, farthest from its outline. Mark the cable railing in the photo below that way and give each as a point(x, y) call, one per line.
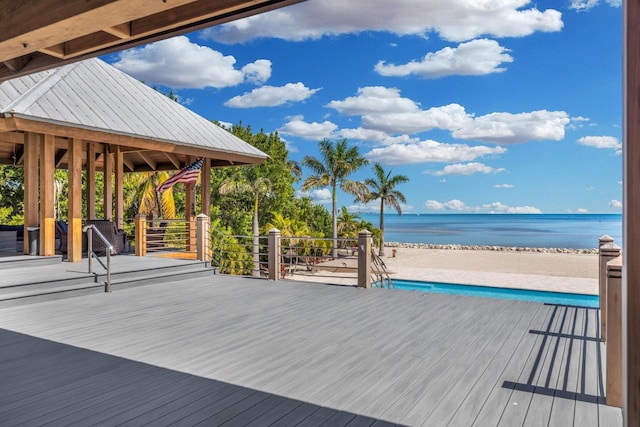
point(315, 256)
point(170, 235)
point(239, 255)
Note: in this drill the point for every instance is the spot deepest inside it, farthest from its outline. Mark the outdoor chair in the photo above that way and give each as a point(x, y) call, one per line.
point(62, 231)
point(117, 238)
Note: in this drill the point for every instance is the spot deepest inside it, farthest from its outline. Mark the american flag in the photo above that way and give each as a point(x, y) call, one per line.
point(187, 174)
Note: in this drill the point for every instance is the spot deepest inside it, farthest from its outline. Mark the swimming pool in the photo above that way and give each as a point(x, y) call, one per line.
point(560, 298)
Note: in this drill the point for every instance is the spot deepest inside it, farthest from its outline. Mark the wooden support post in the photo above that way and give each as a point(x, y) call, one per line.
point(32, 143)
point(47, 188)
point(364, 259)
point(202, 238)
point(614, 334)
point(119, 183)
point(631, 214)
point(74, 213)
point(108, 184)
point(607, 252)
point(91, 181)
point(205, 188)
point(274, 257)
point(141, 235)
point(190, 213)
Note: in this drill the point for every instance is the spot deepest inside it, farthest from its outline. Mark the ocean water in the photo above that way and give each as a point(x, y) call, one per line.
point(576, 231)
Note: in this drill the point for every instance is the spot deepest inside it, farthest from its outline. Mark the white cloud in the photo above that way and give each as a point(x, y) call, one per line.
point(321, 196)
point(313, 131)
point(582, 210)
point(449, 117)
point(430, 151)
point(375, 100)
point(385, 110)
point(602, 142)
point(585, 5)
point(257, 72)
point(362, 134)
point(615, 204)
point(452, 20)
point(179, 63)
point(510, 128)
point(451, 205)
point(474, 58)
point(589, 188)
point(495, 207)
point(504, 186)
point(270, 96)
point(467, 169)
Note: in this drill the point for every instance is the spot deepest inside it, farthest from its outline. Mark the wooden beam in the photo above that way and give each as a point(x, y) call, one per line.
point(205, 188)
point(131, 141)
point(47, 189)
point(19, 155)
point(32, 143)
point(31, 25)
point(59, 156)
point(190, 211)
point(631, 217)
point(17, 64)
point(173, 159)
point(91, 181)
point(74, 213)
point(107, 201)
point(122, 31)
point(147, 159)
point(57, 51)
point(127, 161)
point(119, 184)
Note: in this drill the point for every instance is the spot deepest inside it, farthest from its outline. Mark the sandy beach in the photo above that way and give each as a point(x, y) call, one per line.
point(561, 272)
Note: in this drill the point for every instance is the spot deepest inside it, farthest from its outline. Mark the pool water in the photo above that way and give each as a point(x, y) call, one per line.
point(560, 298)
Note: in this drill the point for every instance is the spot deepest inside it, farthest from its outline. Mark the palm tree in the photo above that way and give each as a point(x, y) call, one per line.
point(336, 164)
point(382, 187)
point(257, 187)
point(348, 224)
point(145, 196)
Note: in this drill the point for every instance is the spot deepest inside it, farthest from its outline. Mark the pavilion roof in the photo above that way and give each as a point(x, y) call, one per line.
point(95, 101)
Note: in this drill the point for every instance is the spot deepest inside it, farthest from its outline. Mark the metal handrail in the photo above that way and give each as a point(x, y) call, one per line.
point(90, 229)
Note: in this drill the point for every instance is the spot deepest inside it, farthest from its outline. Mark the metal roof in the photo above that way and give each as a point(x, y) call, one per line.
point(96, 96)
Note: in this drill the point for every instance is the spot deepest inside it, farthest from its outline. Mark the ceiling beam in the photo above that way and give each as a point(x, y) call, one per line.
point(38, 35)
point(173, 159)
point(147, 159)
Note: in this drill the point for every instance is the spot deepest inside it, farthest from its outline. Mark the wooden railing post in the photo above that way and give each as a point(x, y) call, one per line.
point(202, 238)
point(141, 235)
point(607, 251)
point(274, 254)
point(614, 334)
point(364, 259)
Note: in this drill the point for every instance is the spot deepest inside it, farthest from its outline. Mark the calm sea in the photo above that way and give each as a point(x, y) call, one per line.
point(577, 231)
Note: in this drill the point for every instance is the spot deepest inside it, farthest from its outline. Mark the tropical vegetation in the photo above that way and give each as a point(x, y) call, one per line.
point(247, 201)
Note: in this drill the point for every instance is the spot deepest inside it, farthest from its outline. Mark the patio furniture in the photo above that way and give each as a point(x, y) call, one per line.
point(62, 231)
point(108, 228)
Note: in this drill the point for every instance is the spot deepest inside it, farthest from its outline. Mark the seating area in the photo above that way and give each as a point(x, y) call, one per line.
point(108, 228)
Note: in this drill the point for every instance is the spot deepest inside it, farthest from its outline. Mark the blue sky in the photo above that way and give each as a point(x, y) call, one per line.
point(487, 106)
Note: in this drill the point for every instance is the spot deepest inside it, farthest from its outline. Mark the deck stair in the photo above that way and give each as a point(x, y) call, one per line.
point(25, 280)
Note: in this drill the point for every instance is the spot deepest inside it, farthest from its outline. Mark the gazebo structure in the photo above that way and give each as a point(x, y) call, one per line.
point(90, 116)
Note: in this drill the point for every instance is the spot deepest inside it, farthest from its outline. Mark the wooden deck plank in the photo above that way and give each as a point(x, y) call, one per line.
point(246, 351)
point(539, 412)
point(478, 397)
point(516, 413)
point(589, 386)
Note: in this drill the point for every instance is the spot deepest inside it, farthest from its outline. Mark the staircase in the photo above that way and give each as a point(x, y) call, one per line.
point(28, 279)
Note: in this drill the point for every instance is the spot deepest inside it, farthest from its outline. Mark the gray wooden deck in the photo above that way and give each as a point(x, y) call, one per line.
point(252, 352)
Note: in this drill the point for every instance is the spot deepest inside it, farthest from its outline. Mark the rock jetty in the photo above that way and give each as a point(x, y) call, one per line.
point(593, 251)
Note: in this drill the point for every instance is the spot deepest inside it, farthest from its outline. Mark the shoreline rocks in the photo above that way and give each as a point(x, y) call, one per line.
point(593, 251)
